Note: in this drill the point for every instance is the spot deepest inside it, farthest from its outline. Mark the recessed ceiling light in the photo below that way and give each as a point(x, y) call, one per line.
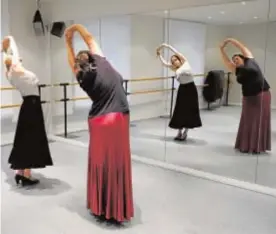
point(243, 3)
point(222, 12)
point(255, 17)
point(209, 17)
point(241, 22)
point(165, 12)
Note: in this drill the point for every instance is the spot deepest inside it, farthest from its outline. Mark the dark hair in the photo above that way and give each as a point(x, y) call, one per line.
point(90, 61)
point(238, 55)
point(88, 69)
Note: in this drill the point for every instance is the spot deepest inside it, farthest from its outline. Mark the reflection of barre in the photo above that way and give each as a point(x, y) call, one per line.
point(17, 105)
point(151, 91)
point(73, 99)
point(148, 79)
point(10, 106)
point(198, 75)
point(7, 88)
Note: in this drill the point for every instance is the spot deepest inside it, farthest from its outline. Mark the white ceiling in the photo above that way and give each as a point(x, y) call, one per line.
point(63, 9)
point(232, 13)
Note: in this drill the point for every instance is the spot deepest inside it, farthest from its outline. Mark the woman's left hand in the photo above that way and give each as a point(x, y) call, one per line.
point(5, 44)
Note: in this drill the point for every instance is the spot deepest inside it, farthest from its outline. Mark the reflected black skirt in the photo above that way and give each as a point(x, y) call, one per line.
point(30, 146)
point(186, 111)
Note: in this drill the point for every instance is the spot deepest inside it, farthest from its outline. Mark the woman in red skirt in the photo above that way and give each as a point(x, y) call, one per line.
point(254, 134)
point(109, 183)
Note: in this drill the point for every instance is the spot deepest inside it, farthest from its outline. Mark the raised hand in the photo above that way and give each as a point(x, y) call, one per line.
point(5, 44)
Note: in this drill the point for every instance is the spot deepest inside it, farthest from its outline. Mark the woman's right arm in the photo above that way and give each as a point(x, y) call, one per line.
point(163, 61)
point(10, 49)
point(70, 49)
point(181, 56)
point(244, 50)
point(228, 63)
point(90, 41)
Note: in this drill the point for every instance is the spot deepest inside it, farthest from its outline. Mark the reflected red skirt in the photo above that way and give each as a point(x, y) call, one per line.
point(254, 134)
point(109, 182)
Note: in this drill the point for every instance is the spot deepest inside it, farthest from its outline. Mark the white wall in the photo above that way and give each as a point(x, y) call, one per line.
point(147, 33)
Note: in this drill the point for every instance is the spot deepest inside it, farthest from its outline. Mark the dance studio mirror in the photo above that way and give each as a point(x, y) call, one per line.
point(130, 46)
point(266, 164)
point(219, 133)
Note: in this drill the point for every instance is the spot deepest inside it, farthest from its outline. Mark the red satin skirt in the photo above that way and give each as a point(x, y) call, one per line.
point(109, 179)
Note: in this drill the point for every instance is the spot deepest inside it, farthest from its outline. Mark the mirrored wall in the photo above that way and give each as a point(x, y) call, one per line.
point(220, 106)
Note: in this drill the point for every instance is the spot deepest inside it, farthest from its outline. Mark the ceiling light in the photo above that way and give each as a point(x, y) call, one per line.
point(166, 12)
point(209, 17)
point(255, 17)
point(222, 12)
point(243, 3)
point(241, 22)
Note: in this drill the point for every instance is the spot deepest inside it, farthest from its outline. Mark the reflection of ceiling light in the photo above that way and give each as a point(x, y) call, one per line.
point(241, 22)
point(243, 3)
point(165, 12)
point(222, 12)
point(209, 17)
point(255, 17)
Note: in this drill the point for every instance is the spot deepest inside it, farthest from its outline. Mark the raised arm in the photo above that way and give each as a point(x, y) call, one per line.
point(244, 50)
point(93, 46)
point(163, 61)
point(181, 56)
point(227, 61)
point(9, 47)
point(90, 41)
point(70, 49)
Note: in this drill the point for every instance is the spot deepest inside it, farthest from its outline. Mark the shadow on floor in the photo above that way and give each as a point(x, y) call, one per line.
point(77, 205)
point(47, 186)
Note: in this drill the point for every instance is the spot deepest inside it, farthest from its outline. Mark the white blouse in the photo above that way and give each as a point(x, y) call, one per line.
point(184, 74)
point(26, 83)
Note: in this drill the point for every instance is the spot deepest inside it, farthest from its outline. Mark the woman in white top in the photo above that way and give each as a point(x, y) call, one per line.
point(30, 147)
point(186, 112)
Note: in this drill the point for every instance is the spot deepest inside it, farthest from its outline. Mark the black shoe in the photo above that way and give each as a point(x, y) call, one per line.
point(17, 178)
point(28, 181)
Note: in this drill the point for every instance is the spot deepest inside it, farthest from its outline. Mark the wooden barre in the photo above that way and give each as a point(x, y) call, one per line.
point(78, 98)
point(17, 105)
point(74, 99)
point(7, 88)
point(9, 106)
point(130, 80)
point(148, 79)
point(150, 91)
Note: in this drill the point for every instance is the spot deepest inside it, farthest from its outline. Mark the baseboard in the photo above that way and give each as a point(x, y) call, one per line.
point(188, 171)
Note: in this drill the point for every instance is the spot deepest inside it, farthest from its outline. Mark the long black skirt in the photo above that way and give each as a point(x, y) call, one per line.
point(186, 111)
point(30, 146)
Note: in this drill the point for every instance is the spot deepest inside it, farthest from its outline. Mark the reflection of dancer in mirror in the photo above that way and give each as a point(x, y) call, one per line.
point(30, 147)
point(109, 183)
point(254, 135)
point(186, 113)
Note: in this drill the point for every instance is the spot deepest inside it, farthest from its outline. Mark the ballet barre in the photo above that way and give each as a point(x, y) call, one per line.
point(18, 105)
point(7, 88)
point(65, 99)
point(10, 106)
